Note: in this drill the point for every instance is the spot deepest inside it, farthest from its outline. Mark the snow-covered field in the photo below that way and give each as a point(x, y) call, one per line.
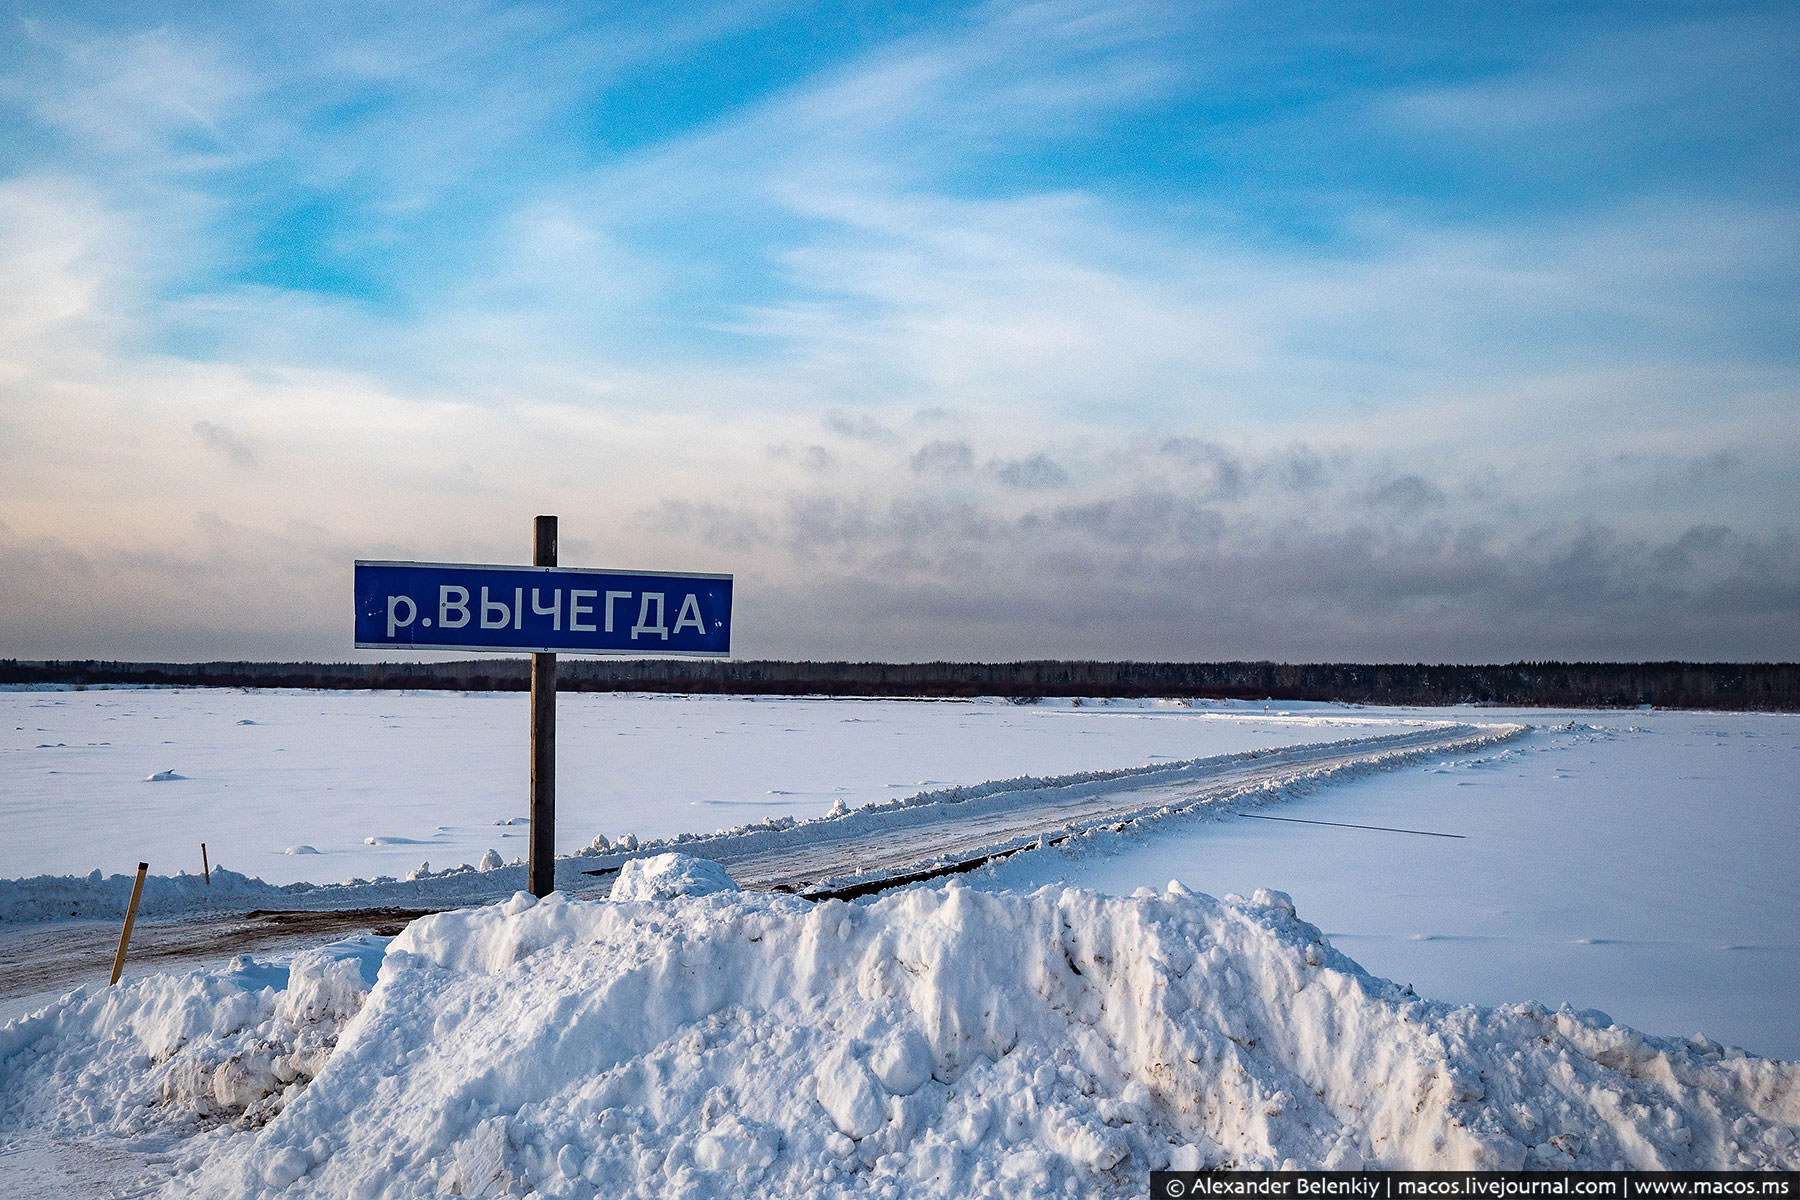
point(376, 783)
point(979, 1039)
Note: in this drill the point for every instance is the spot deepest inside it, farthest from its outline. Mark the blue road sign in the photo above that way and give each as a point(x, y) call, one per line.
point(540, 610)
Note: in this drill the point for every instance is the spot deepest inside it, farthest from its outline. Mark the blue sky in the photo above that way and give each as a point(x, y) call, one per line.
point(1451, 332)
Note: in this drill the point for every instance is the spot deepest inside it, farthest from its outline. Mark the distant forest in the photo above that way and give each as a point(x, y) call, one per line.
point(1757, 686)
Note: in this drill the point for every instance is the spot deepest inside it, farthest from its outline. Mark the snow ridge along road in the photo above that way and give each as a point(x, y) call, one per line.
point(944, 832)
point(854, 853)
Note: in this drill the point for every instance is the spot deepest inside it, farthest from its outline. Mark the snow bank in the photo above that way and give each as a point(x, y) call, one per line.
point(949, 1043)
point(96, 896)
point(189, 1057)
point(58, 897)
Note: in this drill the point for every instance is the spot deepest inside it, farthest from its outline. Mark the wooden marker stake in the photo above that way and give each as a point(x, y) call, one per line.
point(137, 891)
point(204, 865)
point(541, 871)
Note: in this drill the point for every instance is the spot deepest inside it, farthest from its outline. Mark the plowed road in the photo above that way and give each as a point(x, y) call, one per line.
point(862, 853)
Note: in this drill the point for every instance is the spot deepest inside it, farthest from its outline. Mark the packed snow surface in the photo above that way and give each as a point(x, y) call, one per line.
point(938, 1042)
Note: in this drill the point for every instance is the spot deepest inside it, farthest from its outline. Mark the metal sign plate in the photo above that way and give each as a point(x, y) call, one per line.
point(541, 610)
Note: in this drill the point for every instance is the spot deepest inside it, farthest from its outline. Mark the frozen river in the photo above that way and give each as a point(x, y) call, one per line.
point(1639, 863)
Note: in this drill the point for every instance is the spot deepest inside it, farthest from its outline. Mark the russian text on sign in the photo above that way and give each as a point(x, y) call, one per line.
point(469, 607)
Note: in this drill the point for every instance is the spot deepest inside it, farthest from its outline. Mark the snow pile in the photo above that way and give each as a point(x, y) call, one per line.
point(666, 876)
point(177, 1054)
point(949, 1043)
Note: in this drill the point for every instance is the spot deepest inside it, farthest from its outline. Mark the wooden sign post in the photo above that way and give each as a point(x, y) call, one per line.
point(541, 872)
point(541, 610)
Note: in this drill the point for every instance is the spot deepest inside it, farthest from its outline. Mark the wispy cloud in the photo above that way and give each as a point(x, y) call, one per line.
point(225, 443)
point(1194, 309)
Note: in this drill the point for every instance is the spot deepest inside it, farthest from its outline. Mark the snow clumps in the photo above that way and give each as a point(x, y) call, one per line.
point(221, 1050)
point(666, 876)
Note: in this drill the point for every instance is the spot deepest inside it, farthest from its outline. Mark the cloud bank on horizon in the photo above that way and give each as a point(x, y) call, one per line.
point(1038, 329)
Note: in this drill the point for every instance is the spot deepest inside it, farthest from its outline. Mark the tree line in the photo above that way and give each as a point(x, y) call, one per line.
point(1751, 686)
